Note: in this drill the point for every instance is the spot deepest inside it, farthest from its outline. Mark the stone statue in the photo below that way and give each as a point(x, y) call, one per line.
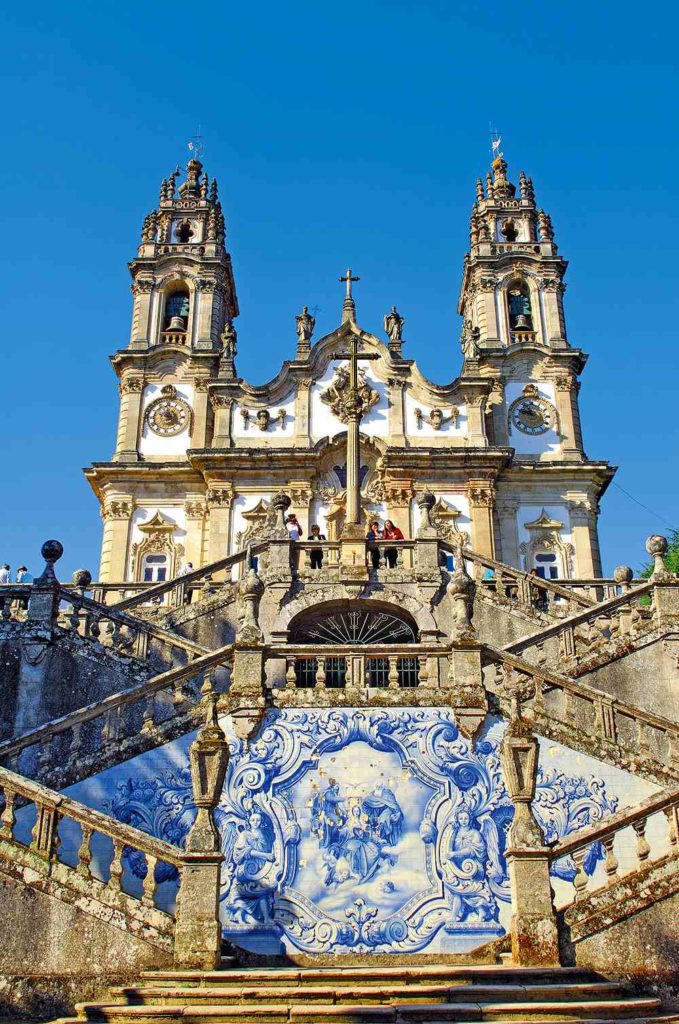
point(229, 339)
point(393, 326)
point(305, 326)
point(469, 340)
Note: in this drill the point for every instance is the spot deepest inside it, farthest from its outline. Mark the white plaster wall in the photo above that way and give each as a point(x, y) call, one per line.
point(244, 503)
point(531, 444)
point(458, 428)
point(322, 422)
point(164, 447)
point(239, 430)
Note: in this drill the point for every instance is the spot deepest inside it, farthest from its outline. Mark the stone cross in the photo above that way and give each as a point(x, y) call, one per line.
point(349, 306)
point(353, 405)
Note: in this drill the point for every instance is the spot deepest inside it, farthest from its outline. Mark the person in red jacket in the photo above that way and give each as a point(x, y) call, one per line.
point(391, 532)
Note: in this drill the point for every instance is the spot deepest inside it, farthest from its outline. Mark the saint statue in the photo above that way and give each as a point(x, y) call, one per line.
point(229, 339)
point(469, 340)
point(393, 326)
point(305, 326)
point(466, 863)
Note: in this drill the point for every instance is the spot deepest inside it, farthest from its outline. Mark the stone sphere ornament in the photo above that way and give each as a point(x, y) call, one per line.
point(52, 550)
point(656, 544)
point(623, 574)
point(81, 578)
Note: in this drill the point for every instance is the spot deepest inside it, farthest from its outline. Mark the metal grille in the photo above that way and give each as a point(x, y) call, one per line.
point(336, 672)
point(357, 627)
point(377, 671)
point(305, 671)
point(408, 671)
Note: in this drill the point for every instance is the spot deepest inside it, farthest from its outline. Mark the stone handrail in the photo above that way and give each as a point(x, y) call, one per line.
point(566, 627)
point(589, 718)
point(87, 615)
point(607, 833)
point(179, 585)
point(75, 760)
point(10, 593)
point(525, 584)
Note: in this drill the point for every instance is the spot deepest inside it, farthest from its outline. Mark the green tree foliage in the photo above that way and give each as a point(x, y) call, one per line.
point(671, 558)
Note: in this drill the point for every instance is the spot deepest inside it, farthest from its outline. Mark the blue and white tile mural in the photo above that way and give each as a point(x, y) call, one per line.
point(358, 830)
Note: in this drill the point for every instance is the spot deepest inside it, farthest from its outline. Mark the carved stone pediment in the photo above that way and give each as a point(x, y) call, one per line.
point(261, 521)
point(544, 522)
point(338, 390)
point(444, 518)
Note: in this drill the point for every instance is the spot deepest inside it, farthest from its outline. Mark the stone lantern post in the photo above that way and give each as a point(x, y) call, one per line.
point(534, 934)
point(198, 932)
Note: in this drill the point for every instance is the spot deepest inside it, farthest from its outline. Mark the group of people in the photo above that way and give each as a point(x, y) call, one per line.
point(375, 534)
point(22, 576)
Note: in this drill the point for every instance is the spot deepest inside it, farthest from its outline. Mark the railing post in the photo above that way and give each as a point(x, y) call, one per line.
point(534, 934)
point(198, 933)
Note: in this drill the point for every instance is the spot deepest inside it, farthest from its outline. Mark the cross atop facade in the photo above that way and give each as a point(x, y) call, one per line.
point(353, 410)
point(349, 306)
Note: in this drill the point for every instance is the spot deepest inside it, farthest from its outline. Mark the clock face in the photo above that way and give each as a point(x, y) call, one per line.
point(533, 416)
point(168, 416)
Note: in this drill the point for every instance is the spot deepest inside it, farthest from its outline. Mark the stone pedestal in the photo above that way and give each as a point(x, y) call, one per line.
point(468, 700)
point(353, 563)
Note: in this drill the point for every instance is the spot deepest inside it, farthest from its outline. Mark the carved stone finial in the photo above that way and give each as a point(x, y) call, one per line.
point(252, 589)
point(462, 590)
point(81, 578)
point(656, 545)
point(51, 551)
point(480, 195)
point(281, 503)
point(545, 226)
point(623, 576)
point(425, 503)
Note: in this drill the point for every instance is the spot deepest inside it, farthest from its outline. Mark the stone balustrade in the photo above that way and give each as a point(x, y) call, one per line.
point(395, 667)
point(119, 726)
point(106, 879)
point(580, 715)
point(662, 808)
point(14, 601)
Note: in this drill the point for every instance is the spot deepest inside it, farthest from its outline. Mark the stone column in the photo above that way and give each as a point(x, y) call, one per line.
point(566, 394)
point(583, 532)
point(303, 412)
point(534, 934)
point(199, 434)
point(204, 297)
point(131, 390)
point(141, 314)
point(552, 293)
point(481, 494)
point(219, 503)
point(397, 411)
point(116, 514)
point(222, 406)
point(198, 933)
point(486, 308)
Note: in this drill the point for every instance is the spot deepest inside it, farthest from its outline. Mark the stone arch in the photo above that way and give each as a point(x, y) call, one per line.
point(335, 594)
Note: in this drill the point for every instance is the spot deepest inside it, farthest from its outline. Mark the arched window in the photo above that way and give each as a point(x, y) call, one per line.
point(176, 317)
point(519, 307)
point(154, 568)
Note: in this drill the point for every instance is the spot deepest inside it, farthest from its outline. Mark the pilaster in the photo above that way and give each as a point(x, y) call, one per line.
point(509, 531)
point(131, 390)
point(481, 494)
point(566, 391)
point(196, 513)
point(583, 523)
point(201, 409)
point(222, 406)
point(396, 411)
point(219, 503)
point(116, 514)
point(302, 411)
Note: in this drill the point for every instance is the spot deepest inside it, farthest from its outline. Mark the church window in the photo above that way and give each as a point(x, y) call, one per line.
point(519, 307)
point(177, 310)
point(546, 565)
point(342, 474)
point(357, 626)
point(377, 672)
point(154, 569)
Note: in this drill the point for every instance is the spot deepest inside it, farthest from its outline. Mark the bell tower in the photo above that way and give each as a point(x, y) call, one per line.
point(514, 332)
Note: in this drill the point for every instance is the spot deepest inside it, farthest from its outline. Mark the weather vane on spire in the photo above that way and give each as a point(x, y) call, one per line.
point(495, 140)
point(196, 146)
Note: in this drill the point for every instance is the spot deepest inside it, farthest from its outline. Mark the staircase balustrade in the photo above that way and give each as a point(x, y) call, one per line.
point(108, 881)
point(14, 601)
point(663, 808)
point(580, 715)
point(117, 727)
point(373, 666)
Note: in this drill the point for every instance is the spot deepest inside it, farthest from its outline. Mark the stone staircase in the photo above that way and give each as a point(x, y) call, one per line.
point(389, 994)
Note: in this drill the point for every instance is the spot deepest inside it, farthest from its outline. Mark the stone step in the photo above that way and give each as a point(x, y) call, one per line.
point(405, 1013)
point(408, 973)
point(389, 992)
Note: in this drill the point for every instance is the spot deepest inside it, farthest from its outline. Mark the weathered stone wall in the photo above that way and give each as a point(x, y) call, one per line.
point(58, 954)
point(628, 677)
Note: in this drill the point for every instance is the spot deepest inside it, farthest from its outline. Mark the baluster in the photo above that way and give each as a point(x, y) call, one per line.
point(611, 861)
point(140, 647)
point(424, 672)
point(672, 814)
point(538, 696)
point(149, 710)
point(399, 556)
point(45, 838)
point(85, 853)
point(643, 849)
point(6, 610)
point(149, 888)
point(94, 626)
point(291, 675)
point(208, 686)
point(581, 879)
point(116, 869)
point(76, 741)
point(179, 693)
point(74, 617)
point(8, 817)
point(393, 673)
point(320, 673)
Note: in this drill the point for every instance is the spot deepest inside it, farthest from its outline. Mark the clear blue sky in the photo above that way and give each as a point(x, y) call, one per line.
point(340, 134)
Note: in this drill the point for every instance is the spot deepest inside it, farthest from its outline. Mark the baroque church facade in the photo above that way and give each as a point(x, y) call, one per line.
point(432, 777)
point(200, 452)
